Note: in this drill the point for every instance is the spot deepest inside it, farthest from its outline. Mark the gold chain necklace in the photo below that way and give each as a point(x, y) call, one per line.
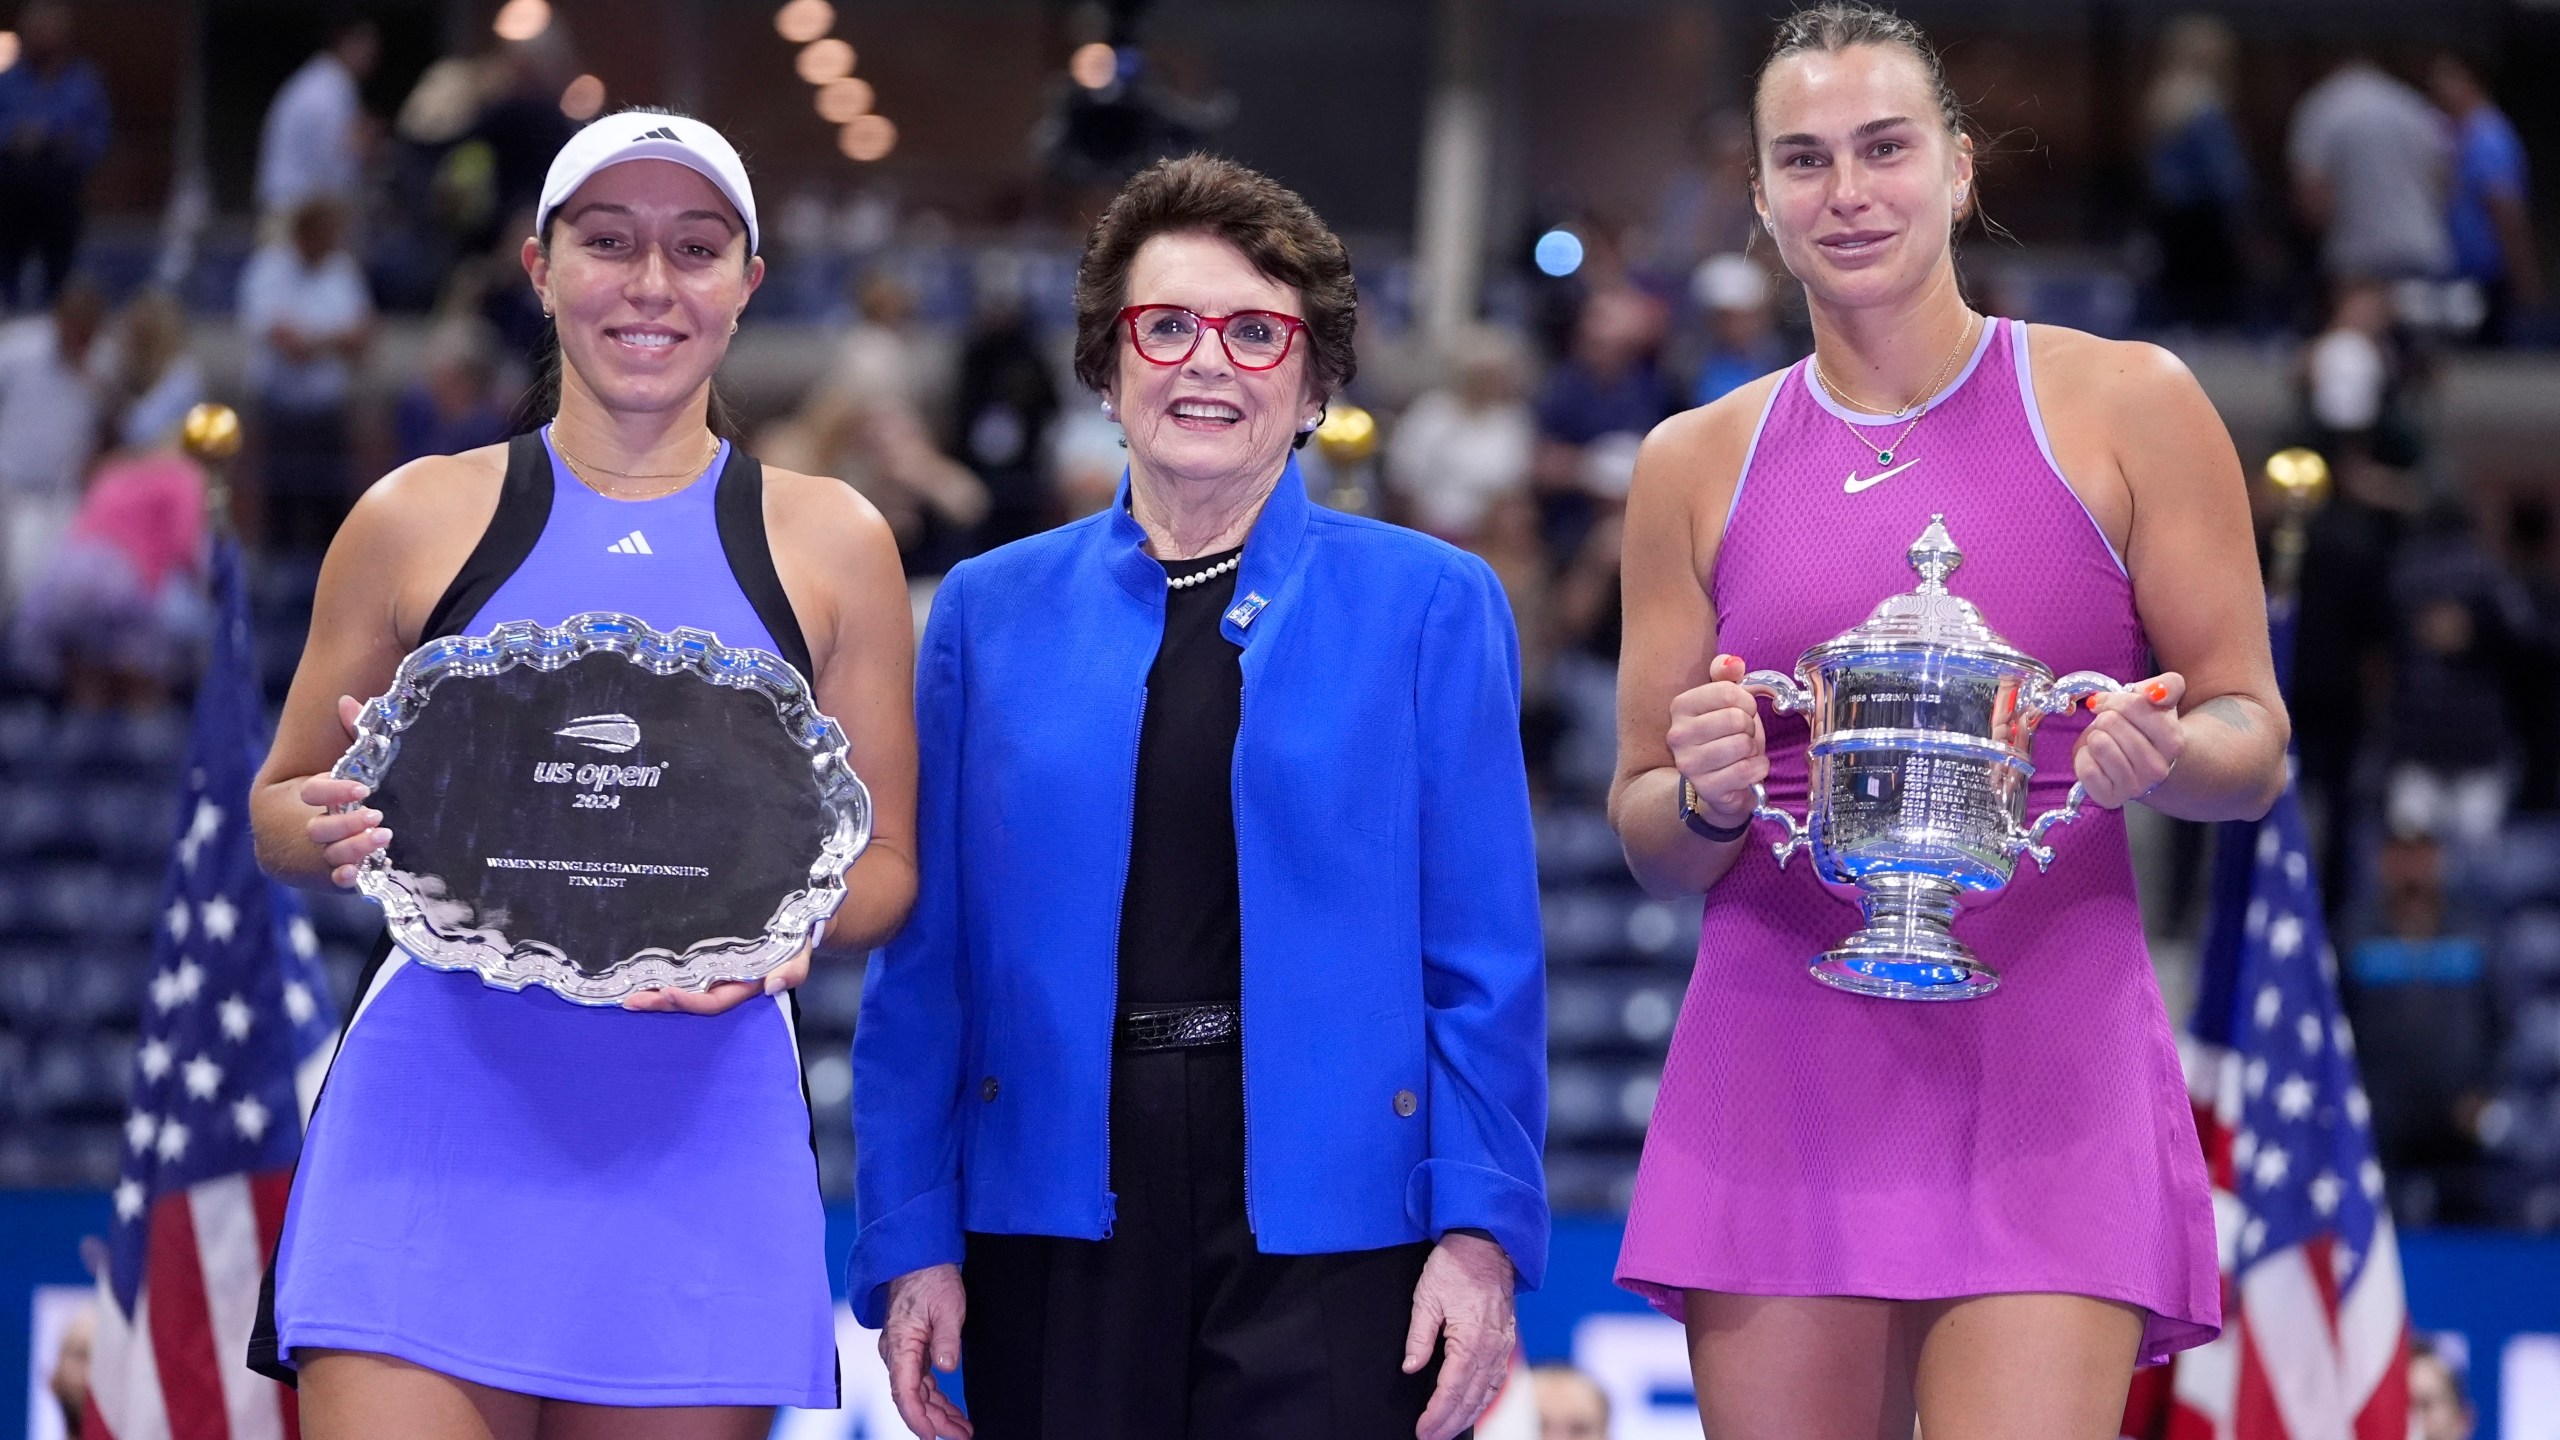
point(1884, 456)
point(579, 468)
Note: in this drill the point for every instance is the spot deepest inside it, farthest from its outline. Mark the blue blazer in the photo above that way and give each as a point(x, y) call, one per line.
point(1394, 989)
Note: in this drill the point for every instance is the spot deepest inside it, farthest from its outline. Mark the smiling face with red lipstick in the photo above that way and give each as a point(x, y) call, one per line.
point(645, 271)
point(1862, 172)
point(1220, 413)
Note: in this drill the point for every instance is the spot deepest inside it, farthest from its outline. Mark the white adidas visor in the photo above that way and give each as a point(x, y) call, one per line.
point(641, 135)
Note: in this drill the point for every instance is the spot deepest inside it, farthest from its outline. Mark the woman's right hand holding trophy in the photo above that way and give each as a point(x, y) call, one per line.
point(1718, 744)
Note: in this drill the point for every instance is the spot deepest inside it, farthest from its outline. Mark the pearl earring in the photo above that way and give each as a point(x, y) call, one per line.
point(1106, 409)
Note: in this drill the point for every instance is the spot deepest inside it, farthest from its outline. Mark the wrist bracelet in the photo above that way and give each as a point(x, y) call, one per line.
point(1700, 825)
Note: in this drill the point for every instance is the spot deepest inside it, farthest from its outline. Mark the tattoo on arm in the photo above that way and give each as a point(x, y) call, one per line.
point(2230, 711)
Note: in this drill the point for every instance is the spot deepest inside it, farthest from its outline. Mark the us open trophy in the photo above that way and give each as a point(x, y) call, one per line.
point(598, 808)
point(1924, 724)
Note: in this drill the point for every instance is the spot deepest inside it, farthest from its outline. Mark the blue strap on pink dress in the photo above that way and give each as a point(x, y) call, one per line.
point(1812, 1142)
point(585, 1204)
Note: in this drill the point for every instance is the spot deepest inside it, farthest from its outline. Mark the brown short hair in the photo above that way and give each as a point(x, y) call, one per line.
point(1272, 224)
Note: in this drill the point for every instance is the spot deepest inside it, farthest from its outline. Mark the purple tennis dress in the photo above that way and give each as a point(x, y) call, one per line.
point(1812, 1142)
point(580, 1203)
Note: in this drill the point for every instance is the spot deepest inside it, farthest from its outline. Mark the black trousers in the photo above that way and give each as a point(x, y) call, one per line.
point(40, 216)
point(1176, 1325)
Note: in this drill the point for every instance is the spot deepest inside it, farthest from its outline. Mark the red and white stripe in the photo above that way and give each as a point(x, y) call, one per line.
point(177, 1368)
point(2297, 1359)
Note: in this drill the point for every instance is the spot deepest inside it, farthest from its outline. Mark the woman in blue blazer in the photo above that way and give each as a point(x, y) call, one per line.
point(1207, 1080)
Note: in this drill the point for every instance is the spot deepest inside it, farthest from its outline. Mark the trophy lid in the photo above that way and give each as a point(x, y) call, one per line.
point(1929, 616)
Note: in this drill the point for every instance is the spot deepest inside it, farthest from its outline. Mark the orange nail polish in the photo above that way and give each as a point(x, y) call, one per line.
point(2157, 693)
point(2091, 702)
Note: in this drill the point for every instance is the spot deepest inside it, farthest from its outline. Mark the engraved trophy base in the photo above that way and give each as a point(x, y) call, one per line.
point(1908, 950)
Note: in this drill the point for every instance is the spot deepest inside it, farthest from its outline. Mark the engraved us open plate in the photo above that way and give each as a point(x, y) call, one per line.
point(600, 807)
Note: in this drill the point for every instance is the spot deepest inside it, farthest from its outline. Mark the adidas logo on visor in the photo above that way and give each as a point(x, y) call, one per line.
point(661, 133)
point(634, 543)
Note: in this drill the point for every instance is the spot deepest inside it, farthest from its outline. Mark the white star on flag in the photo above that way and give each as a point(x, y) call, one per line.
point(190, 979)
point(221, 917)
point(249, 1116)
point(2326, 1190)
point(139, 1128)
point(2294, 1097)
point(300, 935)
point(2359, 1109)
point(164, 990)
point(298, 1003)
point(178, 918)
point(2271, 1166)
point(2257, 919)
point(2343, 1036)
point(129, 1200)
point(236, 1018)
point(2285, 936)
point(2254, 1076)
point(206, 822)
point(2244, 1148)
point(2342, 1261)
point(2312, 1033)
point(2296, 868)
point(204, 1078)
point(2253, 1237)
point(173, 1139)
point(2372, 1178)
point(2270, 1006)
point(155, 1059)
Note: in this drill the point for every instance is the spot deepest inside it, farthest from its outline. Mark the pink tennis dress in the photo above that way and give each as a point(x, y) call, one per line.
point(1812, 1142)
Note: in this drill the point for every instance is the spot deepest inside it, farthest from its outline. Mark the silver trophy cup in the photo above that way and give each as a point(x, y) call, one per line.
point(1924, 723)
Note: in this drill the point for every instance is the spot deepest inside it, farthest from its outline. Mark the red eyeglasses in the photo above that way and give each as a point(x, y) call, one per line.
point(1167, 334)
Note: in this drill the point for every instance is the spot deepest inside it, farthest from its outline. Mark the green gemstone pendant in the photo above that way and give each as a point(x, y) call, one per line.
point(1884, 457)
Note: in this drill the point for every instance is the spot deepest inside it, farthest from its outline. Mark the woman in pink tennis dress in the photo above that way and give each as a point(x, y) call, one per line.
point(1983, 1214)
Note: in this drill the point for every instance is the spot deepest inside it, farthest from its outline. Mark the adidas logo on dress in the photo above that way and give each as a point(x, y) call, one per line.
point(634, 543)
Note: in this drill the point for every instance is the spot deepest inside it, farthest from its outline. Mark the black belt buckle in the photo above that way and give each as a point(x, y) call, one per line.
point(1180, 1027)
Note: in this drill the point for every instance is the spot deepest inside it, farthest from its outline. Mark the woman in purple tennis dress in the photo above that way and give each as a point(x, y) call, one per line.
point(1985, 1213)
point(518, 1218)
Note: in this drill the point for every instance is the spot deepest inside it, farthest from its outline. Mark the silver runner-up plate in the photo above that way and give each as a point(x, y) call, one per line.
point(600, 808)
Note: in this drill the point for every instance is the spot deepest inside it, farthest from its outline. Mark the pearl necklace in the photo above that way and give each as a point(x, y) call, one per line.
point(1185, 582)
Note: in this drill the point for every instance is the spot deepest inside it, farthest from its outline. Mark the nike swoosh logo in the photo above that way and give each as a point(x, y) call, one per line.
point(1853, 484)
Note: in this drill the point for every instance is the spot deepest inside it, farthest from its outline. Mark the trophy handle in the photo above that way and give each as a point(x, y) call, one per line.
point(1797, 837)
point(2071, 689)
point(1780, 689)
point(2030, 841)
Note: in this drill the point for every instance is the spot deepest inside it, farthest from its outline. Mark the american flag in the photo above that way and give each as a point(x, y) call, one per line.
point(2315, 1322)
point(236, 1029)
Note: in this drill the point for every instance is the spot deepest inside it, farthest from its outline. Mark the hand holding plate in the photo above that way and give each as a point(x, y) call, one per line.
point(348, 831)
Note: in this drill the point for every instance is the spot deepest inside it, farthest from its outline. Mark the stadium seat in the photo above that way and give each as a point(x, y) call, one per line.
point(1575, 843)
point(1586, 924)
point(2532, 1055)
point(26, 735)
point(36, 818)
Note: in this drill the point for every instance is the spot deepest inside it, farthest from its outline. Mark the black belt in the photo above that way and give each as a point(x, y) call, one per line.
point(1180, 1027)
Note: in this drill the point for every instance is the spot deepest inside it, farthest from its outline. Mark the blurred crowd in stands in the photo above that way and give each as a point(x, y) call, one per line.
point(379, 314)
